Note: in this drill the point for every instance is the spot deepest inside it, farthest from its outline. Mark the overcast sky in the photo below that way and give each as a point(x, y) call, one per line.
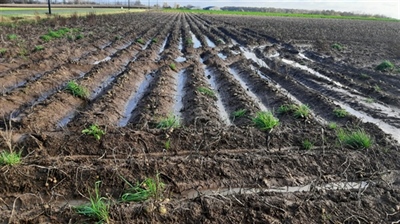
point(389, 8)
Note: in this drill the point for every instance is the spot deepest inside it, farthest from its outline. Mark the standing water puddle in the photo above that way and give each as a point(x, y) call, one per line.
point(181, 80)
point(146, 45)
point(221, 109)
point(222, 56)
point(103, 60)
point(196, 42)
point(134, 100)
point(180, 46)
point(209, 42)
point(312, 71)
point(191, 194)
point(180, 59)
point(164, 44)
point(247, 88)
point(63, 122)
point(249, 54)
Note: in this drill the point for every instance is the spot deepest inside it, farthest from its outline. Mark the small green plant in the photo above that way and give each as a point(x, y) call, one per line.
point(239, 113)
point(221, 41)
point(39, 48)
point(12, 36)
point(79, 36)
point(154, 40)
point(265, 120)
point(94, 130)
point(307, 145)
point(167, 144)
point(118, 37)
point(171, 121)
point(142, 191)
point(369, 100)
point(284, 109)
point(206, 91)
point(301, 111)
point(77, 90)
point(10, 158)
point(340, 112)
point(385, 66)
point(46, 38)
point(332, 125)
point(337, 47)
point(358, 139)
point(98, 207)
point(377, 88)
point(172, 66)
point(3, 51)
point(189, 41)
point(365, 76)
point(140, 41)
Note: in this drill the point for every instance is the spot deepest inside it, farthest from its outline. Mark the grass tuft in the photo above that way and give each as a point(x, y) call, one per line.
point(140, 41)
point(332, 125)
point(284, 109)
point(39, 48)
point(94, 130)
point(340, 112)
point(149, 188)
point(98, 207)
point(10, 158)
point(385, 66)
point(12, 36)
point(301, 111)
point(171, 121)
point(77, 90)
point(239, 113)
point(3, 51)
point(265, 120)
point(307, 145)
point(358, 139)
point(172, 66)
point(337, 47)
point(206, 91)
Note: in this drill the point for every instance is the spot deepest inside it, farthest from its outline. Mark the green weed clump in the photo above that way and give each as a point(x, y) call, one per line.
point(3, 51)
point(149, 188)
point(154, 40)
point(239, 113)
point(206, 91)
point(301, 111)
point(189, 41)
point(307, 145)
point(56, 34)
point(140, 41)
point(340, 112)
point(12, 36)
point(265, 120)
point(77, 90)
point(284, 109)
point(39, 48)
point(332, 125)
point(358, 139)
point(98, 207)
point(95, 131)
point(171, 121)
point(172, 66)
point(385, 66)
point(10, 158)
point(337, 47)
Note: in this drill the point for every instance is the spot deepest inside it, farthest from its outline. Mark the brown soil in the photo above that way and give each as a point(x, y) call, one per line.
point(218, 168)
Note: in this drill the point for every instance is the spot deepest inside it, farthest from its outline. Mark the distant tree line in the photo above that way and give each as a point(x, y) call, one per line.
point(297, 11)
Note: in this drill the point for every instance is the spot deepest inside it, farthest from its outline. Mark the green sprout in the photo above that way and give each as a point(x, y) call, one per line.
point(284, 109)
point(10, 158)
point(307, 145)
point(171, 121)
point(385, 66)
point(79, 36)
point(154, 40)
point(12, 36)
point(206, 91)
point(140, 41)
point(332, 125)
point(76, 90)
point(94, 130)
point(3, 51)
point(265, 120)
point(377, 88)
point(142, 191)
point(337, 47)
point(301, 111)
point(167, 144)
point(189, 41)
point(172, 66)
point(358, 139)
point(39, 48)
point(340, 112)
point(98, 207)
point(369, 100)
point(239, 113)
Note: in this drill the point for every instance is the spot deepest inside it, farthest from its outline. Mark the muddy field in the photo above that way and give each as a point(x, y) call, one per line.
point(217, 166)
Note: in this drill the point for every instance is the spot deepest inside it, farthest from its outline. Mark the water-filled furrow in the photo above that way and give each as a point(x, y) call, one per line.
point(248, 88)
point(196, 42)
point(180, 92)
point(134, 99)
